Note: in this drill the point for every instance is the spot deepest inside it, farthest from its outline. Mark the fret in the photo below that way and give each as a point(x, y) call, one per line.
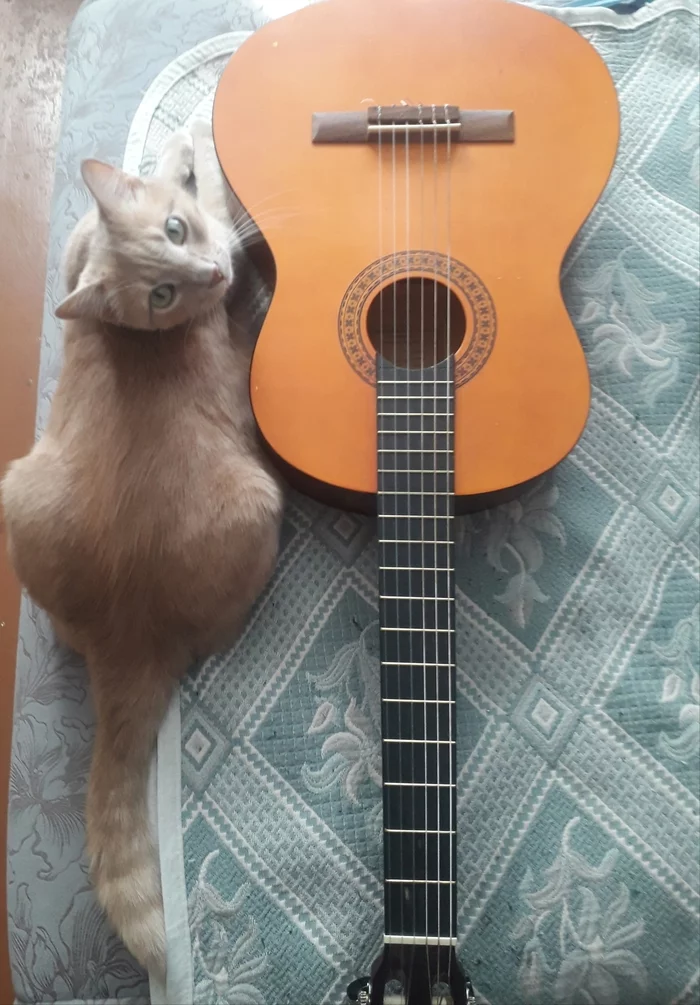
point(419, 940)
point(420, 909)
point(419, 413)
point(420, 880)
point(415, 582)
point(421, 701)
point(445, 405)
point(402, 679)
point(418, 422)
point(425, 381)
point(429, 615)
point(397, 479)
point(426, 857)
point(402, 540)
point(422, 600)
point(406, 663)
point(431, 763)
point(391, 391)
point(423, 743)
point(424, 721)
point(431, 506)
point(404, 628)
point(415, 568)
point(413, 554)
point(427, 510)
point(414, 450)
point(416, 441)
point(423, 785)
point(405, 807)
point(406, 830)
point(414, 647)
point(414, 531)
point(412, 526)
point(407, 519)
point(423, 489)
point(416, 432)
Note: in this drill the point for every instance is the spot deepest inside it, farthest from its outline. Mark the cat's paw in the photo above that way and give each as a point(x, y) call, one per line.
point(177, 159)
point(134, 905)
point(201, 130)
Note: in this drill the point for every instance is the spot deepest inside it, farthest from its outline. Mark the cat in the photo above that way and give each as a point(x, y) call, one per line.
point(145, 520)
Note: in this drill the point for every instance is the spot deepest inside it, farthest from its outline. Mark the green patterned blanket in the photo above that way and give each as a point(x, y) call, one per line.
point(577, 620)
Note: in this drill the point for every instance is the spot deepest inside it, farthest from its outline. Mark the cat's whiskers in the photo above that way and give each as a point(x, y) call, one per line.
point(252, 210)
point(252, 233)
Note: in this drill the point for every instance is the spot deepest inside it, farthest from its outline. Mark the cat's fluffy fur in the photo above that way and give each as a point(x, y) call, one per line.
point(145, 520)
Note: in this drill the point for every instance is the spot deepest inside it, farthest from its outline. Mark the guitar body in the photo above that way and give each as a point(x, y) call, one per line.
point(418, 169)
point(505, 213)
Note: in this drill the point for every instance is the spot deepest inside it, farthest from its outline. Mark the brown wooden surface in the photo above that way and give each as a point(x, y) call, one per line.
point(514, 209)
point(32, 41)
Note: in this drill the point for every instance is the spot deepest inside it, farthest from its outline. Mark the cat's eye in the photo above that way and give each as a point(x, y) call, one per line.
point(176, 229)
point(162, 296)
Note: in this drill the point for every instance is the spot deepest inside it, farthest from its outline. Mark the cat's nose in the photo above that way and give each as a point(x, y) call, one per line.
point(217, 276)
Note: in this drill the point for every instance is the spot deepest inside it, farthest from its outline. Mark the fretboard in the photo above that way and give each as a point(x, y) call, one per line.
point(415, 421)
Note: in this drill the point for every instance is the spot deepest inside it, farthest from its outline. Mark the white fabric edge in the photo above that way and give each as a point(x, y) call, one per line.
point(167, 811)
point(613, 19)
point(219, 45)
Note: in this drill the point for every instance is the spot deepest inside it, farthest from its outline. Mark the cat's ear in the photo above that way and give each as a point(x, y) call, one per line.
point(110, 187)
point(87, 301)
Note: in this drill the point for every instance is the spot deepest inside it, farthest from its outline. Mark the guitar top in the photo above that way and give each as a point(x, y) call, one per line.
point(376, 211)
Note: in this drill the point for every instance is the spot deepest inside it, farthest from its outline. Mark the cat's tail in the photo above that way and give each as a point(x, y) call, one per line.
point(130, 706)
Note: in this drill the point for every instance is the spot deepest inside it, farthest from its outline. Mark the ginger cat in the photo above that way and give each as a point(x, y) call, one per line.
point(145, 520)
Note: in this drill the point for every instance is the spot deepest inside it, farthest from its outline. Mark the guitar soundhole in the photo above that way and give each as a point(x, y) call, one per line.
point(415, 322)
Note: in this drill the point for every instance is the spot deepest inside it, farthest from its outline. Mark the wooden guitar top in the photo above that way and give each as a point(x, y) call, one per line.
point(492, 220)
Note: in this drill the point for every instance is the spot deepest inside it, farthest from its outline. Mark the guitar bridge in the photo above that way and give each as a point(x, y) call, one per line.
point(411, 122)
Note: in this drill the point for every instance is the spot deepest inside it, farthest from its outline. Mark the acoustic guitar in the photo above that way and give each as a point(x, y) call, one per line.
point(417, 169)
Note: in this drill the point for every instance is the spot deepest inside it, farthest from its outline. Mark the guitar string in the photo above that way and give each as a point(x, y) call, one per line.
point(448, 537)
point(422, 536)
point(409, 591)
point(379, 364)
point(394, 291)
point(435, 563)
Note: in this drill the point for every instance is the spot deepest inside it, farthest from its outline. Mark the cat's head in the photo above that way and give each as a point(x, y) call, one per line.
point(153, 259)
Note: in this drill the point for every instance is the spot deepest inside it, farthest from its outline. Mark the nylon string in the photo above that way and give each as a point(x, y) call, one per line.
point(449, 499)
point(409, 373)
point(422, 524)
point(435, 498)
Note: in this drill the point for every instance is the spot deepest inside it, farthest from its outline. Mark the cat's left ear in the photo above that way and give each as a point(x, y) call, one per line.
point(112, 188)
point(87, 301)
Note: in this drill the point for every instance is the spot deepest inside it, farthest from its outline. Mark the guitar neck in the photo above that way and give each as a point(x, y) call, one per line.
point(415, 422)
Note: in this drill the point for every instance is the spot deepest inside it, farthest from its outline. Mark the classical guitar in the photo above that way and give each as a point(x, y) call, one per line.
point(418, 169)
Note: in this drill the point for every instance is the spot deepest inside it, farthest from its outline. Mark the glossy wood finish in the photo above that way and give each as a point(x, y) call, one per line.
point(32, 40)
point(515, 209)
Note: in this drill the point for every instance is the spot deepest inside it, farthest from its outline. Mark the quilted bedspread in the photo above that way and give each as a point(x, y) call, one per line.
point(578, 614)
